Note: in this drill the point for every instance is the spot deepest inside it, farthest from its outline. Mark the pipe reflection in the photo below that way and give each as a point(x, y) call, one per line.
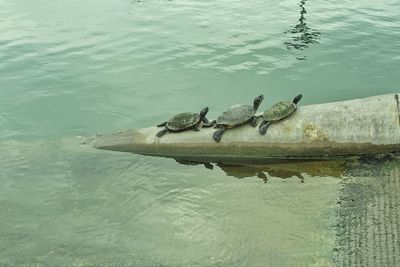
point(367, 166)
point(283, 169)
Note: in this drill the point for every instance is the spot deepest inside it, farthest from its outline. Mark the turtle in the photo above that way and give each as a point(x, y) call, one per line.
point(184, 121)
point(278, 112)
point(235, 116)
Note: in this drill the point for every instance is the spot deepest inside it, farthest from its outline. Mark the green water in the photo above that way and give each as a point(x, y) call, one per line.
point(73, 68)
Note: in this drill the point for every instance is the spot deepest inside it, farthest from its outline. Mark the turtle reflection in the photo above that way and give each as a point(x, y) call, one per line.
point(302, 34)
point(261, 172)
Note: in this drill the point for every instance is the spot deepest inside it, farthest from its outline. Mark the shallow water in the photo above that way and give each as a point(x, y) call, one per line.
point(69, 68)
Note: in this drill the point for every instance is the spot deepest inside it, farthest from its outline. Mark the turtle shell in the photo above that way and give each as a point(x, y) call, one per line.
point(279, 111)
point(236, 115)
point(183, 121)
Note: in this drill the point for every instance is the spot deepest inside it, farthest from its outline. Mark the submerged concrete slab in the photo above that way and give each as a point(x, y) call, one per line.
point(368, 215)
point(339, 129)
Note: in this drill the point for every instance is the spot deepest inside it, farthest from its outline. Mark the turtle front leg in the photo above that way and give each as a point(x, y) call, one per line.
point(196, 127)
point(263, 127)
point(218, 134)
point(205, 120)
point(162, 132)
point(253, 121)
point(209, 124)
point(162, 124)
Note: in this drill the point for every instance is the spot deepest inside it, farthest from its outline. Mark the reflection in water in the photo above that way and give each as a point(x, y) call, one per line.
point(284, 170)
point(261, 172)
point(207, 165)
point(302, 34)
point(361, 167)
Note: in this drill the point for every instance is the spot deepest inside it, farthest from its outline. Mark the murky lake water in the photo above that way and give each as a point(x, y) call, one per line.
point(73, 68)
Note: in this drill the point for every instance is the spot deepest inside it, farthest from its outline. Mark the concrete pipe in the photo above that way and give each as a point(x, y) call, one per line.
point(339, 129)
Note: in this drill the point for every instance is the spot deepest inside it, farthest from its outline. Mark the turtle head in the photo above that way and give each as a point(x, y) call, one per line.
point(297, 99)
point(204, 112)
point(257, 101)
